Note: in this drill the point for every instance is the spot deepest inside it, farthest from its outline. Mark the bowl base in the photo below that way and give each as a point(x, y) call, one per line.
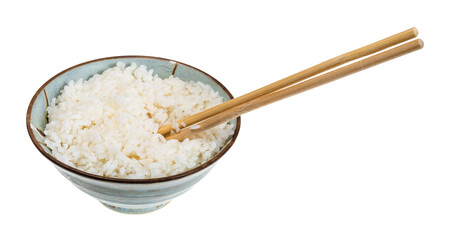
point(134, 210)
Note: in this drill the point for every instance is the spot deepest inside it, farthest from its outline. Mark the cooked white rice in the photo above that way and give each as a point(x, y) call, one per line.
point(107, 125)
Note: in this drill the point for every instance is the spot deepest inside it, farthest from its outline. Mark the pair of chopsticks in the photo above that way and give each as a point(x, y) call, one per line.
point(295, 83)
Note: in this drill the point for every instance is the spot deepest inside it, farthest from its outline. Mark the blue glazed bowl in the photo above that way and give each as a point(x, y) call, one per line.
point(123, 195)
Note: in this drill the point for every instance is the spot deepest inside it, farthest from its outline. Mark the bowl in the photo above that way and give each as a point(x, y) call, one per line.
point(123, 195)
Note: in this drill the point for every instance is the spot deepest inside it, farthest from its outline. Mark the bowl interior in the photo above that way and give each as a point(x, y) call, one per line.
point(37, 113)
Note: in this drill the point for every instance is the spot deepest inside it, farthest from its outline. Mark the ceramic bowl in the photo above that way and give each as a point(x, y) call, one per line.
point(123, 195)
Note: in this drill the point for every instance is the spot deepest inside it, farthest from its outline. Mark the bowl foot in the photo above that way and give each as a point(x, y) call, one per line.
point(134, 210)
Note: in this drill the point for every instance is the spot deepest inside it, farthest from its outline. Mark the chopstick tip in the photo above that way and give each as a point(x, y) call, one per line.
point(420, 41)
point(415, 31)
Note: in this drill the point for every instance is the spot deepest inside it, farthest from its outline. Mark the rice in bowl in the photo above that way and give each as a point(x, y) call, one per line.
point(107, 125)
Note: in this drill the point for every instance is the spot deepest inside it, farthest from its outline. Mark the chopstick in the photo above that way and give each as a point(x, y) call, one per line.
point(297, 77)
point(298, 88)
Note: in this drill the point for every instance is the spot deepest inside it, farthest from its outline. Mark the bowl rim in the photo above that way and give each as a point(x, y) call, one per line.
point(124, 180)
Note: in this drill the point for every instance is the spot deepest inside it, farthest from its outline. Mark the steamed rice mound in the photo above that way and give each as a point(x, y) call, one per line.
point(107, 125)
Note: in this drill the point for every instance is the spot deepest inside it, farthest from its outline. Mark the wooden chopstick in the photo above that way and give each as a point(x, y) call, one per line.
point(307, 73)
point(298, 88)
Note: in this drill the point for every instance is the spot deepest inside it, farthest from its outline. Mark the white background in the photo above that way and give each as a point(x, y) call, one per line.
point(370, 156)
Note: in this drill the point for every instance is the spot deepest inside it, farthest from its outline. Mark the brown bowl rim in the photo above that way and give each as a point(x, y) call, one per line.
point(124, 180)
